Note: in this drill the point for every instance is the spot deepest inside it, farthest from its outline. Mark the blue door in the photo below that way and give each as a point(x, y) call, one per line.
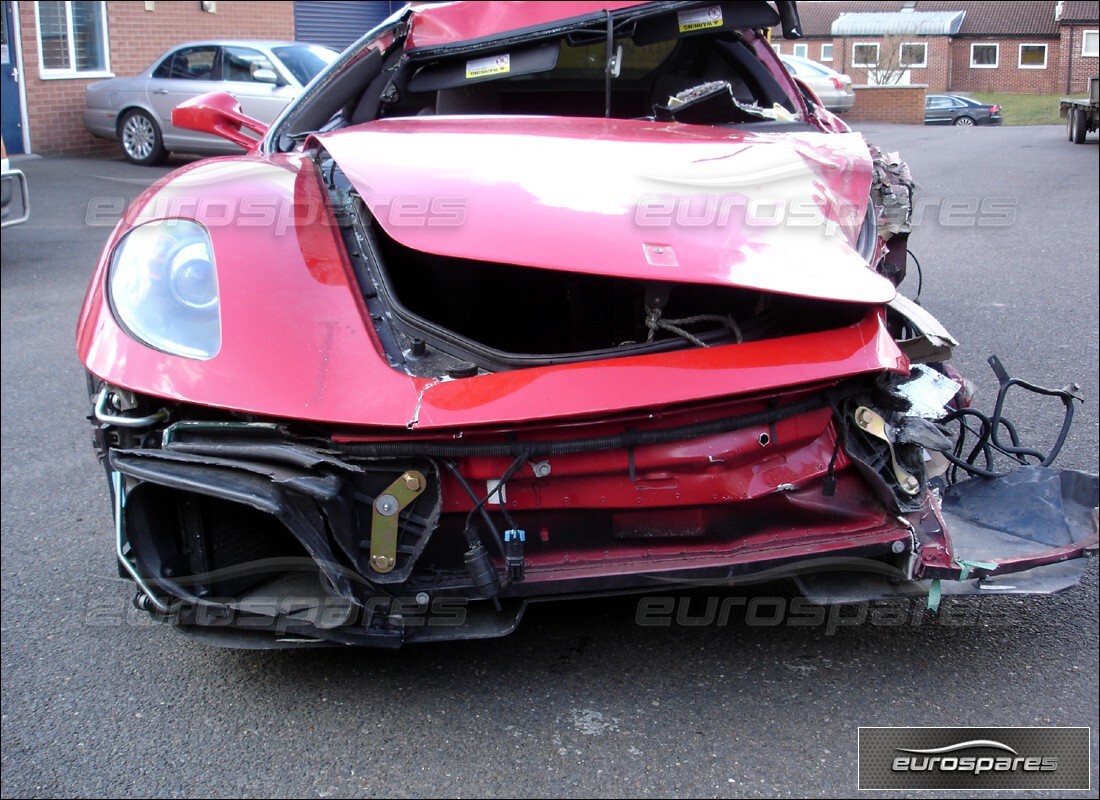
point(10, 109)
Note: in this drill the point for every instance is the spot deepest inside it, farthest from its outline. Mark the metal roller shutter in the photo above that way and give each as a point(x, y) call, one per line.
point(338, 23)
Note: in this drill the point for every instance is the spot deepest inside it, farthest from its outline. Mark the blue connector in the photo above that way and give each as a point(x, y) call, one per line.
point(513, 553)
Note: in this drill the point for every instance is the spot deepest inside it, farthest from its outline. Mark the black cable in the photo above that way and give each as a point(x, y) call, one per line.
point(920, 274)
point(995, 421)
point(498, 540)
point(987, 443)
point(498, 490)
point(630, 438)
point(970, 468)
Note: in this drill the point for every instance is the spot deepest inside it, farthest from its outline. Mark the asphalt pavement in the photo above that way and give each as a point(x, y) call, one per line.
point(581, 701)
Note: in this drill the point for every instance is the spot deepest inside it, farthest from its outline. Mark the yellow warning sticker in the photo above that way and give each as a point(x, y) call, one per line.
point(491, 65)
point(698, 19)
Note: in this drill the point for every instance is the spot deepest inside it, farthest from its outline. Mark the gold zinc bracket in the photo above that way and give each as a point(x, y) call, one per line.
point(383, 525)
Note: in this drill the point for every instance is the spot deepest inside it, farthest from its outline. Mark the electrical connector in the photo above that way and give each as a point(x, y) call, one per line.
point(480, 566)
point(513, 554)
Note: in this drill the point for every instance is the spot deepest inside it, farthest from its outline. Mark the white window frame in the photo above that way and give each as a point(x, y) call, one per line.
point(800, 50)
point(54, 74)
point(1096, 39)
point(1020, 55)
point(872, 65)
point(822, 52)
point(997, 58)
point(924, 61)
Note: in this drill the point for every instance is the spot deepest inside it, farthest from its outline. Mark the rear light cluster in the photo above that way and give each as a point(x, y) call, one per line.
point(994, 109)
point(837, 84)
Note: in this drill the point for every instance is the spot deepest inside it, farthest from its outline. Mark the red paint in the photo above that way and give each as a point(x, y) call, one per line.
point(220, 114)
point(732, 204)
point(448, 23)
point(296, 344)
point(576, 195)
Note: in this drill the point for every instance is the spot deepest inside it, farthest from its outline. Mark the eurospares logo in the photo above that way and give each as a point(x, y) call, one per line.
point(974, 758)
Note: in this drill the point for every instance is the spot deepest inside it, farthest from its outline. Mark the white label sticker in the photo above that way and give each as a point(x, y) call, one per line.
point(492, 65)
point(495, 493)
point(698, 19)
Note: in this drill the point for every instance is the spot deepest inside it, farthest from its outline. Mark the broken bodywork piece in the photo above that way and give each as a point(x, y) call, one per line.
point(649, 338)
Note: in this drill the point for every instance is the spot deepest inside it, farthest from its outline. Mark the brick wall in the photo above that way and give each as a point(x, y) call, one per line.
point(136, 36)
point(1076, 69)
point(902, 105)
point(934, 74)
point(948, 63)
point(1008, 76)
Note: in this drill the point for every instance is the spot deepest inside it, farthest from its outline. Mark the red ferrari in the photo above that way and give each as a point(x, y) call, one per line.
point(528, 301)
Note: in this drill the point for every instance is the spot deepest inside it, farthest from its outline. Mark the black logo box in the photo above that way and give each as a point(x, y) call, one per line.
point(1038, 758)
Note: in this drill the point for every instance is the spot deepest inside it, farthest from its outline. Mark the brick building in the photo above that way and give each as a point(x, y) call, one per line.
point(1080, 45)
point(52, 50)
point(1027, 46)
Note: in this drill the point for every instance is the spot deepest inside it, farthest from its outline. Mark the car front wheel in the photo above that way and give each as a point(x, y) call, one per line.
point(139, 135)
point(964, 122)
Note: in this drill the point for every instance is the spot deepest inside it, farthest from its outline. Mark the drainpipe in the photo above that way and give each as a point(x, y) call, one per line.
point(950, 64)
point(1069, 69)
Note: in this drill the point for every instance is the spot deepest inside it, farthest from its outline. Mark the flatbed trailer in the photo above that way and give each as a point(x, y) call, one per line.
point(1082, 115)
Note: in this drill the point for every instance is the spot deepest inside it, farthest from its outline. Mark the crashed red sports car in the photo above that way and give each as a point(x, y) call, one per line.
point(521, 302)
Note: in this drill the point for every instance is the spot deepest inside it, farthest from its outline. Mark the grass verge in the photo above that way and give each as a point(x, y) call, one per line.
point(1025, 109)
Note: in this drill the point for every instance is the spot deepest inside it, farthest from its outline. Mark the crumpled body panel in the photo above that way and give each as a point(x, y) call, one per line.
point(633, 199)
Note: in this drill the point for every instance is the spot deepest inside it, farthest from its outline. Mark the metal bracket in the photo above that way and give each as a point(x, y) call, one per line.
point(383, 526)
point(873, 423)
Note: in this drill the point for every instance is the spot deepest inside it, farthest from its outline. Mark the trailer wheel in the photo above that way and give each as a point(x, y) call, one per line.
point(1080, 125)
point(1069, 125)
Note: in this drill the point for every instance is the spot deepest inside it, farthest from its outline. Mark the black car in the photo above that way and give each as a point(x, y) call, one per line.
point(950, 109)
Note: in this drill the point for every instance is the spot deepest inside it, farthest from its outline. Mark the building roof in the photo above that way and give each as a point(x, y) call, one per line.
point(1081, 11)
point(928, 23)
point(1033, 18)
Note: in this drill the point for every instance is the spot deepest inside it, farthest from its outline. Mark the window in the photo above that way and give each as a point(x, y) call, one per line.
point(826, 52)
point(304, 61)
point(806, 69)
point(984, 56)
point(802, 50)
point(189, 63)
point(913, 54)
point(238, 63)
point(72, 39)
point(1090, 43)
point(865, 55)
point(939, 102)
point(1033, 56)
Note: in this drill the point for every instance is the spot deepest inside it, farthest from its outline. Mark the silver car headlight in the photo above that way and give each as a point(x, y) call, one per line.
point(163, 288)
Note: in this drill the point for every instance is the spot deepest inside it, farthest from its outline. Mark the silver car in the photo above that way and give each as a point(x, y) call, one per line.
point(262, 76)
point(832, 88)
